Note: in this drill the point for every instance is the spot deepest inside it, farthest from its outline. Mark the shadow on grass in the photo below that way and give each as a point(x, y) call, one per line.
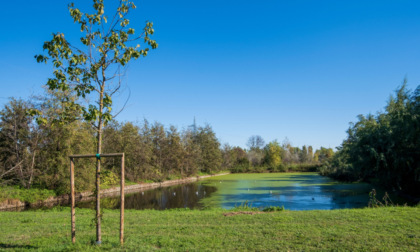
point(15, 246)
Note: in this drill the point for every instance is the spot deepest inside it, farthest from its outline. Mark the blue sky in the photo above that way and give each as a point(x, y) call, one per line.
point(296, 69)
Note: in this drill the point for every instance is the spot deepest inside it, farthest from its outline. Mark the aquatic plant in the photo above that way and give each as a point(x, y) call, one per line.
point(245, 206)
point(273, 209)
point(374, 202)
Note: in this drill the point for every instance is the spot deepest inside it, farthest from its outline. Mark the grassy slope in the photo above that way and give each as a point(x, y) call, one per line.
point(380, 229)
point(25, 195)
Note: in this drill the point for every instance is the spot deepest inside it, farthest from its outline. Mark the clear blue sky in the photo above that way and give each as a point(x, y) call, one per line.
point(296, 69)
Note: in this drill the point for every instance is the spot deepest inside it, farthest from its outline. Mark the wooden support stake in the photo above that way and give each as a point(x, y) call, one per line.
point(73, 214)
point(122, 202)
point(98, 198)
point(98, 202)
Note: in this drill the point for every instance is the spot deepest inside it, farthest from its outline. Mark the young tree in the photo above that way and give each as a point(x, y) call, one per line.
point(93, 71)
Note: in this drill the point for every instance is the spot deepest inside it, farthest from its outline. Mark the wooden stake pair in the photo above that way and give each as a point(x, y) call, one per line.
point(73, 216)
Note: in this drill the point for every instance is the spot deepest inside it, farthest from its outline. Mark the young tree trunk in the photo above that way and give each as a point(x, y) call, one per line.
point(98, 169)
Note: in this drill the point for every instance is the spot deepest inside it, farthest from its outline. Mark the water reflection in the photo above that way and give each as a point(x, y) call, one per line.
point(181, 196)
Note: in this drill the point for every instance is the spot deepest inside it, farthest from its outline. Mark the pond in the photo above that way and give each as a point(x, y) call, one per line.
point(294, 191)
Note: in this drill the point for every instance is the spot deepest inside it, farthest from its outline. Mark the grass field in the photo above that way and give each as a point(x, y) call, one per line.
point(380, 229)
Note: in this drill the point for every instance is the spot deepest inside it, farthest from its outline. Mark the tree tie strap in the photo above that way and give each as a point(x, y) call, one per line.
point(98, 156)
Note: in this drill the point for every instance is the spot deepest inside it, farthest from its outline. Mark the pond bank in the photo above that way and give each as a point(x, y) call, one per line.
point(15, 204)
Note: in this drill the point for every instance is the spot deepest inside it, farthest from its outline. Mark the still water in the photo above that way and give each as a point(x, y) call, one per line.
point(294, 191)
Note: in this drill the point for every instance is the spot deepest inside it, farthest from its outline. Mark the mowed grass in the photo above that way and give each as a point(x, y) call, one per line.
point(380, 229)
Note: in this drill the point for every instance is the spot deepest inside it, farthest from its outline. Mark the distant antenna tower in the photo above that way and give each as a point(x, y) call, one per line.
point(194, 126)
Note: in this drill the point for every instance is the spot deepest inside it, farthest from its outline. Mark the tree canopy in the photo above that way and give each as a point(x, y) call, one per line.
point(384, 148)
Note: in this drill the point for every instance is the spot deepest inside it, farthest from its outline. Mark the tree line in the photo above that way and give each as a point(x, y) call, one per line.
point(383, 148)
point(36, 155)
point(273, 157)
point(33, 154)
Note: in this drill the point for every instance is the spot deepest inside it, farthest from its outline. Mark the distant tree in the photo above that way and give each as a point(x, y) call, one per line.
point(58, 142)
point(310, 154)
point(255, 142)
point(235, 159)
point(173, 153)
point(255, 157)
point(192, 153)
point(273, 153)
point(239, 154)
point(288, 155)
point(124, 137)
point(19, 139)
point(157, 132)
point(146, 153)
point(323, 154)
point(303, 155)
point(286, 144)
point(294, 154)
point(227, 157)
point(211, 156)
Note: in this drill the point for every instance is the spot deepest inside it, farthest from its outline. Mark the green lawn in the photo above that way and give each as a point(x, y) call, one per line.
point(380, 229)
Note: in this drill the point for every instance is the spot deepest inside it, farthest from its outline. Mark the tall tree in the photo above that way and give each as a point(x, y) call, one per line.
point(303, 155)
point(273, 153)
point(384, 148)
point(58, 142)
point(192, 152)
point(173, 153)
point(158, 139)
point(19, 139)
point(310, 154)
point(255, 142)
point(211, 156)
point(94, 71)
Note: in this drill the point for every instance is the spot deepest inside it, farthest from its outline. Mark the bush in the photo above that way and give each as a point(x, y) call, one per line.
point(109, 178)
point(240, 168)
point(281, 168)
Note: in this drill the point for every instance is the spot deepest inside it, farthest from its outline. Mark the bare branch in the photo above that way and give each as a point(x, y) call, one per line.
point(11, 169)
point(125, 104)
